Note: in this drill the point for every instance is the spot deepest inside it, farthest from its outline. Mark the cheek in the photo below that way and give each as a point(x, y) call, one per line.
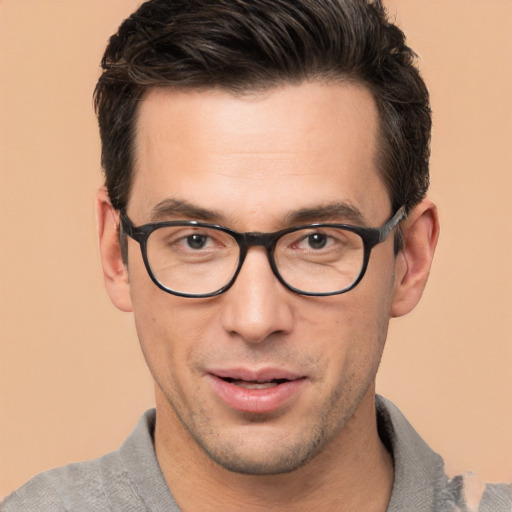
point(153, 314)
point(350, 330)
point(170, 329)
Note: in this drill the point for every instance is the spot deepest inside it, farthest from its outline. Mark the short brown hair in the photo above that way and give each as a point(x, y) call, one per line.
point(248, 45)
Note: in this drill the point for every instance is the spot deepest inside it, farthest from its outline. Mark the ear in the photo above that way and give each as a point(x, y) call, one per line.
point(115, 272)
point(421, 231)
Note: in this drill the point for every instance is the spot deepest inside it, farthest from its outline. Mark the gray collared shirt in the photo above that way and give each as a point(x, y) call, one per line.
point(130, 480)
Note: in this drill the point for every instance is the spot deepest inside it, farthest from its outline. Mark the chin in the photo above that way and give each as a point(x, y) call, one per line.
point(269, 457)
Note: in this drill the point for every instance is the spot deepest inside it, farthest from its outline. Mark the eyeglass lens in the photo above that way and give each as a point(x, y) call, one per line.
point(202, 260)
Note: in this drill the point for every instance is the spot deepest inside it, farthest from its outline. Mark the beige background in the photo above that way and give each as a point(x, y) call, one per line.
point(72, 380)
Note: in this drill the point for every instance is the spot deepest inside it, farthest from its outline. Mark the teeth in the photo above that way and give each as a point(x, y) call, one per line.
point(254, 385)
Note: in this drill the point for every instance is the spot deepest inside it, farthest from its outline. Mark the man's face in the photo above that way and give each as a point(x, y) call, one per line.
point(251, 163)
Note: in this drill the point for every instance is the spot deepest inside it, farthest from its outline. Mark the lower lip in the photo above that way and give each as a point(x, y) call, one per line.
point(258, 401)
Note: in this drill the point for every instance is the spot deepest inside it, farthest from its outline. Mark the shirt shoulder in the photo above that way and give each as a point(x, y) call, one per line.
point(468, 493)
point(422, 481)
point(92, 485)
point(128, 479)
point(496, 497)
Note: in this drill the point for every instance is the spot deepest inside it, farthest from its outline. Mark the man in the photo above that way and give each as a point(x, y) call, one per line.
point(264, 217)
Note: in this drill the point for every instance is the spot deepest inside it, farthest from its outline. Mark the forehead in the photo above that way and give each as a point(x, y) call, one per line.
point(258, 155)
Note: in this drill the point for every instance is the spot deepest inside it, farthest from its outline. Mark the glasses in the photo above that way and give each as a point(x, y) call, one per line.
point(198, 260)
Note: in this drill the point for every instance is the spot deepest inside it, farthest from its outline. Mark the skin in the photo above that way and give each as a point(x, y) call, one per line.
point(253, 161)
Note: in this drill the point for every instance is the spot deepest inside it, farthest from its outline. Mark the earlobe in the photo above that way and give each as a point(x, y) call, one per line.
point(421, 232)
point(115, 273)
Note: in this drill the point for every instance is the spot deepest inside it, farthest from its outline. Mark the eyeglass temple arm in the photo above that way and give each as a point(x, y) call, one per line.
point(391, 224)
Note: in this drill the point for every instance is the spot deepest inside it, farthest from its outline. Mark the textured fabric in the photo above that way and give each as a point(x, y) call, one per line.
point(421, 483)
point(130, 480)
point(127, 480)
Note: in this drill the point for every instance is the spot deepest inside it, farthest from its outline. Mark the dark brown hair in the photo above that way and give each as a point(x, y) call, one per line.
point(249, 45)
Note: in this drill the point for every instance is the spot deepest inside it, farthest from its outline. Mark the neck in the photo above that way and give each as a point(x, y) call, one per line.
point(338, 479)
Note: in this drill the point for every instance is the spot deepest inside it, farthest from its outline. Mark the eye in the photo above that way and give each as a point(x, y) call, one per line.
point(320, 241)
point(317, 240)
point(183, 239)
point(196, 241)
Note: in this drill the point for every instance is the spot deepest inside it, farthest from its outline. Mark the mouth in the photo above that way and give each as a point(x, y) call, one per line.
point(251, 384)
point(257, 392)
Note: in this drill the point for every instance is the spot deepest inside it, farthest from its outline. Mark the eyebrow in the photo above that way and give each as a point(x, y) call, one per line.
point(335, 212)
point(169, 208)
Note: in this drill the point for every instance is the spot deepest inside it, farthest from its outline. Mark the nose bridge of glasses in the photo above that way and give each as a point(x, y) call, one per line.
point(254, 238)
point(257, 239)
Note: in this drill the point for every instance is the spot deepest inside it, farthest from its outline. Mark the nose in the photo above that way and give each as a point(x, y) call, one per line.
point(257, 305)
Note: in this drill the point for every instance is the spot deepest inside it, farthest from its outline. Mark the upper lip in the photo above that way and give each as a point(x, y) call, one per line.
point(260, 375)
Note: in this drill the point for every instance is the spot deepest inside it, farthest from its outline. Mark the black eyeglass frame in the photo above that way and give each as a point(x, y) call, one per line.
point(370, 237)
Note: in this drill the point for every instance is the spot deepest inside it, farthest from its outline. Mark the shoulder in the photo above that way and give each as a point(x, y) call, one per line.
point(78, 486)
point(128, 479)
point(470, 494)
point(496, 497)
point(422, 481)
